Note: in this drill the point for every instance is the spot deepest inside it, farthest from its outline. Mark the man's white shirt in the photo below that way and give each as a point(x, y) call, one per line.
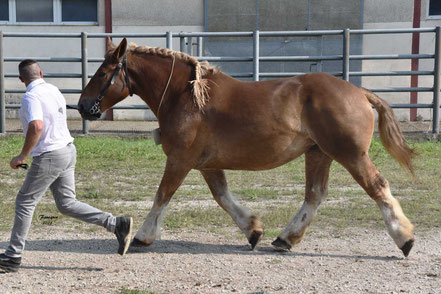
point(45, 102)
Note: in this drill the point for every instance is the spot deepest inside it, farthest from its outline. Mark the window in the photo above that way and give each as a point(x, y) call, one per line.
point(34, 10)
point(434, 9)
point(4, 10)
point(49, 11)
point(71, 12)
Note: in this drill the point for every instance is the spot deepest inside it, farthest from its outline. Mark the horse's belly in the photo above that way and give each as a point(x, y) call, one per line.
point(254, 154)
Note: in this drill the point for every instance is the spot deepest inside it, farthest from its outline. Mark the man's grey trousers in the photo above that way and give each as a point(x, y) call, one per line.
point(54, 170)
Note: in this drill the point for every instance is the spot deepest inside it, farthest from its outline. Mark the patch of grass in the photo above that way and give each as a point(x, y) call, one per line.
point(253, 194)
point(272, 233)
point(7, 210)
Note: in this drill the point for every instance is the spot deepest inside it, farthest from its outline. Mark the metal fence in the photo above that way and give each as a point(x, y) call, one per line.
point(186, 45)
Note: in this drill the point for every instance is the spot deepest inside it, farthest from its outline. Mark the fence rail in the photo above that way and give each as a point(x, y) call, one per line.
point(186, 38)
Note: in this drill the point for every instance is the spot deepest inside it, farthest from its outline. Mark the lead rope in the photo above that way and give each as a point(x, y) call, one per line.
point(166, 86)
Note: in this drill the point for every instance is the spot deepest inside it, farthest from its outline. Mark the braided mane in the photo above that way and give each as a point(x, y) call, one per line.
point(200, 85)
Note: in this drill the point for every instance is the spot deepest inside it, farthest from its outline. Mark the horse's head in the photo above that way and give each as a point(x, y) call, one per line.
point(109, 85)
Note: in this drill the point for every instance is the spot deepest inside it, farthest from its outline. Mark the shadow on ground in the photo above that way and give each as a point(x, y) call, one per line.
point(109, 246)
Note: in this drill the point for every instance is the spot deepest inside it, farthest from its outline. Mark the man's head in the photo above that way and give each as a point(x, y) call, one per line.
point(29, 71)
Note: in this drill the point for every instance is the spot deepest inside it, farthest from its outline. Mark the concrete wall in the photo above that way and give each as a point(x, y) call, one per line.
point(391, 11)
point(281, 15)
point(158, 13)
point(380, 14)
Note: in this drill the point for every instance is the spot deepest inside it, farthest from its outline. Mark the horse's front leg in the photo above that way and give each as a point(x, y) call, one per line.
point(172, 178)
point(248, 223)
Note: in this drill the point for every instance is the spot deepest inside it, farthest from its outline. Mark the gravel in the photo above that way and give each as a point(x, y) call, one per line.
point(353, 261)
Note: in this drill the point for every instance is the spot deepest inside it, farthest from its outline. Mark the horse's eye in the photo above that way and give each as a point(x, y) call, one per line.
point(101, 74)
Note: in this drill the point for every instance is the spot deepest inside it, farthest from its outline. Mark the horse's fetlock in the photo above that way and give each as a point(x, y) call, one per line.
point(255, 224)
point(295, 238)
point(254, 231)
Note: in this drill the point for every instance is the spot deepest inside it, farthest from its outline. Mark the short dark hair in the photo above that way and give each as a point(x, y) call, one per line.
point(23, 66)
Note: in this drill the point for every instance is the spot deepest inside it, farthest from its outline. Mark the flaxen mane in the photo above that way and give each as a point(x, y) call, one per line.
point(200, 85)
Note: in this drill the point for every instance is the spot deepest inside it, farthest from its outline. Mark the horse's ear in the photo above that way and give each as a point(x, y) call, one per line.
point(120, 50)
point(109, 44)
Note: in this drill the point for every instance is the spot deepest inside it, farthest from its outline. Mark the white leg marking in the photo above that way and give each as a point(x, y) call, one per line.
point(398, 226)
point(151, 228)
point(300, 221)
point(298, 224)
point(240, 214)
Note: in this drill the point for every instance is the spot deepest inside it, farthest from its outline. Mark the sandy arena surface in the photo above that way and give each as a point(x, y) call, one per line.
point(355, 261)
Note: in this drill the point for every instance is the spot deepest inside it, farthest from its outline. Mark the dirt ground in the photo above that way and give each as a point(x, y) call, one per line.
point(352, 261)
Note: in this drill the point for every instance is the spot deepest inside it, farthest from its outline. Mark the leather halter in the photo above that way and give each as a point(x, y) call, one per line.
point(95, 109)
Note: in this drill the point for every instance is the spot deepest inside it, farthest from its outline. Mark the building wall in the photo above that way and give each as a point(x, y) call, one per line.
point(281, 15)
point(153, 13)
point(392, 14)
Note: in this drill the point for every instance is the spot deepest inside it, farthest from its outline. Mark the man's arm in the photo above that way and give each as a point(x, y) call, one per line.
point(33, 134)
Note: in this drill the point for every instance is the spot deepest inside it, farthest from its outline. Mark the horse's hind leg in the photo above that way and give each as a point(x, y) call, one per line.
point(248, 223)
point(377, 187)
point(317, 166)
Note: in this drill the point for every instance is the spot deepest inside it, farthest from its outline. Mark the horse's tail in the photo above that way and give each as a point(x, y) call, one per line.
point(390, 132)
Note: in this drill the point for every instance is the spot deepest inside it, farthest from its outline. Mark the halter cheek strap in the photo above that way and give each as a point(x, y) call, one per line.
point(126, 73)
point(96, 107)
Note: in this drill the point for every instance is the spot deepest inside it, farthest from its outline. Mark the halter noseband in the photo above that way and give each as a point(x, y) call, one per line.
point(95, 109)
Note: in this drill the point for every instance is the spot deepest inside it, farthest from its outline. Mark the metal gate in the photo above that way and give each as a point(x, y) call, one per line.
point(187, 40)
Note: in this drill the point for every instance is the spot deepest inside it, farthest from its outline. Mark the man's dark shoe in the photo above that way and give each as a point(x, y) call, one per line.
point(9, 264)
point(123, 232)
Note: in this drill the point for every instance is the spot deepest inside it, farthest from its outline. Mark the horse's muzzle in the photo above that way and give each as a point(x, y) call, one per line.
point(85, 112)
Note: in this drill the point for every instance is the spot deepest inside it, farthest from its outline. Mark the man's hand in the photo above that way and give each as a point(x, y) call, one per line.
point(16, 161)
point(33, 134)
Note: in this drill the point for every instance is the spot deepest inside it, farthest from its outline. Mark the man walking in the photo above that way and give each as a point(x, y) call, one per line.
point(48, 141)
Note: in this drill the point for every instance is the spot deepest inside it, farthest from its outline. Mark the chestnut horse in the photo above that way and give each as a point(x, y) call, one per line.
point(210, 121)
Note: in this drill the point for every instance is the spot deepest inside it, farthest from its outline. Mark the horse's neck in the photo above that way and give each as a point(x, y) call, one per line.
point(151, 76)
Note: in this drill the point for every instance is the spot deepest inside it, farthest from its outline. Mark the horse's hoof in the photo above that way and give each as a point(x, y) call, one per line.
point(138, 243)
point(255, 238)
point(407, 247)
point(281, 244)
